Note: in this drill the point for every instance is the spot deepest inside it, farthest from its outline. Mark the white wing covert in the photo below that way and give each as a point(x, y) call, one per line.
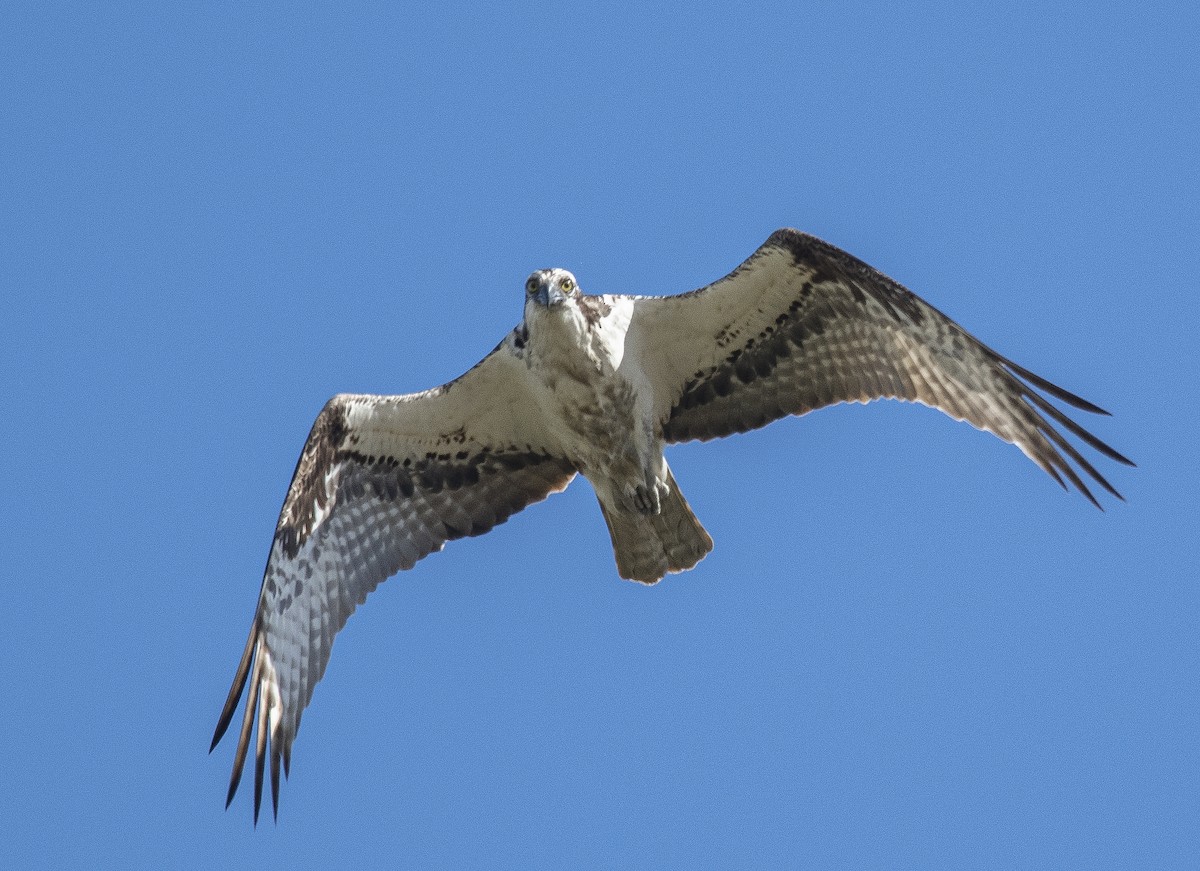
point(382, 482)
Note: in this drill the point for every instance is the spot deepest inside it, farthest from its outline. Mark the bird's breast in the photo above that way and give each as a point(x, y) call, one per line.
point(593, 414)
point(588, 401)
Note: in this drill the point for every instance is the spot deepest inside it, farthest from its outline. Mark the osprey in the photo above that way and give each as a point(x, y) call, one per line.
point(597, 385)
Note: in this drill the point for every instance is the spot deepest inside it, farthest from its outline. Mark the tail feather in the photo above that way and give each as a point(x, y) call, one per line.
point(648, 546)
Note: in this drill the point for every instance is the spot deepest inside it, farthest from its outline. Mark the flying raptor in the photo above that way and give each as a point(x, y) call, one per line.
point(597, 386)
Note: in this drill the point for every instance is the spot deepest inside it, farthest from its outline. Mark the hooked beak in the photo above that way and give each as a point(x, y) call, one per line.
point(549, 296)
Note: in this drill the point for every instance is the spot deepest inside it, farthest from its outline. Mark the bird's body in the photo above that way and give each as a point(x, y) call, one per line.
point(598, 385)
point(588, 376)
point(589, 394)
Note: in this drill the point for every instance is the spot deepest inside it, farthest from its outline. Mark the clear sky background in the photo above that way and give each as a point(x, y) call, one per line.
point(909, 649)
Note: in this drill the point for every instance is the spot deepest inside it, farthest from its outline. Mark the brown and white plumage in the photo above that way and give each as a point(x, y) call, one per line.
point(597, 385)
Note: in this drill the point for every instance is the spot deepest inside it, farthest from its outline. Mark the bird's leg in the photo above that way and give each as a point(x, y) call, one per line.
point(639, 472)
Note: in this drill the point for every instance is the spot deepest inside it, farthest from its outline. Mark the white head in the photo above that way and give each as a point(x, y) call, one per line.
point(550, 288)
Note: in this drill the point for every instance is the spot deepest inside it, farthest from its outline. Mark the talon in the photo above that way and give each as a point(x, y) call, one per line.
point(643, 500)
point(649, 500)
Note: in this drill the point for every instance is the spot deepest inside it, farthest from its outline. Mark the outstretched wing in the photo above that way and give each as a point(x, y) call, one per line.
point(382, 481)
point(802, 325)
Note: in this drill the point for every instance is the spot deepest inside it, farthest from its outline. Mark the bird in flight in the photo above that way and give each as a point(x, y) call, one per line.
point(597, 386)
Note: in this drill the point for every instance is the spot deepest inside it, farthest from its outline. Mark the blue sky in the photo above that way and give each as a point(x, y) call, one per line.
point(909, 649)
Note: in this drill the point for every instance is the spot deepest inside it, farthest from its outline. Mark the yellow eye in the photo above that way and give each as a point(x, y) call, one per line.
point(568, 285)
point(531, 285)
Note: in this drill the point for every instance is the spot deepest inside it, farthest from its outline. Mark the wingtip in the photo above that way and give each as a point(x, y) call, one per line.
point(235, 691)
point(1091, 497)
point(275, 759)
point(1053, 389)
point(257, 790)
point(1120, 458)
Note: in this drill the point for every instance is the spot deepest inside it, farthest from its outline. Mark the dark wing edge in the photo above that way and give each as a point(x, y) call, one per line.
point(355, 514)
point(821, 327)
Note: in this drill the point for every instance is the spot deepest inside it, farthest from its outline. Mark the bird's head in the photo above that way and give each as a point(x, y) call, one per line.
point(550, 288)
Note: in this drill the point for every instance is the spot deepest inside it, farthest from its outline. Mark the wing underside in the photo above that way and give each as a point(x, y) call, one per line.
point(802, 325)
point(381, 483)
